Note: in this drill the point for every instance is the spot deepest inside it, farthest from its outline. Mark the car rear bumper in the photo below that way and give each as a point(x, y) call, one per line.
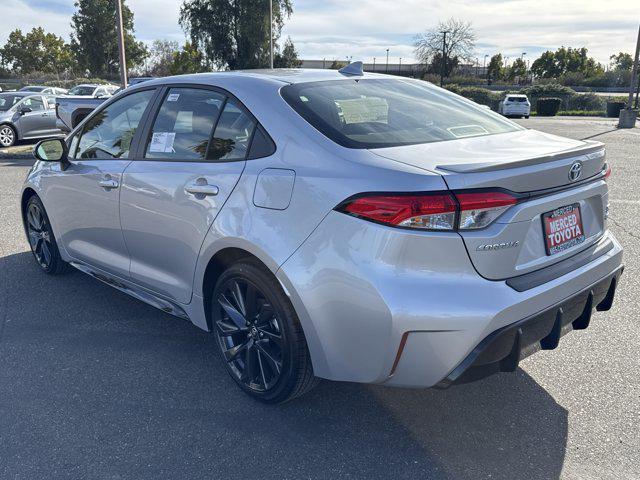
point(390, 306)
point(502, 350)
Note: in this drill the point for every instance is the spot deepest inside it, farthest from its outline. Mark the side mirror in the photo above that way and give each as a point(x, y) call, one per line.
point(24, 110)
point(51, 150)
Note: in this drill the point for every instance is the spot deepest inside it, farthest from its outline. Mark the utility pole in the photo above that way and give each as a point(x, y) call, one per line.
point(628, 115)
point(444, 56)
point(270, 33)
point(387, 67)
point(122, 58)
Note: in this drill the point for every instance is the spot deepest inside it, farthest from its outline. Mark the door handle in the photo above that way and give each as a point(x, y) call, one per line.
point(202, 188)
point(108, 183)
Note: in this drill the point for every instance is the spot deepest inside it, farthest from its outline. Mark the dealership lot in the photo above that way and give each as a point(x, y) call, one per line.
point(95, 384)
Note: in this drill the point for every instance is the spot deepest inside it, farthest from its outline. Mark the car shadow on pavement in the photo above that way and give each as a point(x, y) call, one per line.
point(95, 384)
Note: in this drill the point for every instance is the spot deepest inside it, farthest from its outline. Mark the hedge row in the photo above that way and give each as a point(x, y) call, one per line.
point(569, 98)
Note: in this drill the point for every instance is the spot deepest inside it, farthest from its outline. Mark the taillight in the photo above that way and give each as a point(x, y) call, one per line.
point(431, 211)
point(424, 211)
point(607, 170)
point(479, 209)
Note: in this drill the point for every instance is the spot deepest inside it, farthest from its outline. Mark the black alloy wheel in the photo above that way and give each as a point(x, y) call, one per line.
point(41, 239)
point(259, 335)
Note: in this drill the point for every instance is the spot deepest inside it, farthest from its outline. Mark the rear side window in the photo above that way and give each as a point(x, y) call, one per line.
point(233, 134)
point(375, 113)
point(184, 123)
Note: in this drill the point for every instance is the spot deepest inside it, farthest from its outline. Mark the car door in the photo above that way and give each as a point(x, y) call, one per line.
point(85, 193)
point(190, 161)
point(51, 117)
point(33, 117)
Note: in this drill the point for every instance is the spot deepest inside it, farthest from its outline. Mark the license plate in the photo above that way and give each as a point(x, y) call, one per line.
point(562, 228)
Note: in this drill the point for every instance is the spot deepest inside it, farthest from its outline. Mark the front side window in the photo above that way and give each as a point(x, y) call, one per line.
point(108, 134)
point(182, 129)
point(375, 113)
point(34, 103)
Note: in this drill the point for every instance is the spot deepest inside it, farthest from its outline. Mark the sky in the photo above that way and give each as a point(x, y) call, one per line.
point(364, 29)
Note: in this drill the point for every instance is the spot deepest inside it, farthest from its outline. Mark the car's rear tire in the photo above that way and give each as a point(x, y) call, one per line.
point(259, 335)
point(8, 136)
point(41, 239)
point(526, 116)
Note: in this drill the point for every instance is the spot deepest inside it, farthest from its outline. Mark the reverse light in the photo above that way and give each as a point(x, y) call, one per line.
point(477, 210)
point(423, 211)
point(431, 211)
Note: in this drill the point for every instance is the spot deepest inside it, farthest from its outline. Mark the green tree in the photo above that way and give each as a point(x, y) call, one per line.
point(288, 58)
point(94, 38)
point(233, 34)
point(436, 64)
point(621, 61)
point(161, 57)
point(565, 61)
point(496, 67)
point(37, 51)
point(188, 60)
point(518, 69)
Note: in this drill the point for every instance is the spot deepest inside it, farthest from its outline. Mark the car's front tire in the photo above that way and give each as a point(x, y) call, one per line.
point(259, 335)
point(41, 239)
point(8, 136)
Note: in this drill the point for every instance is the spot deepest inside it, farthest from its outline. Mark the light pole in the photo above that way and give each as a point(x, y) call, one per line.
point(444, 56)
point(400, 66)
point(270, 33)
point(387, 67)
point(477, 66)
point(484, 65)
point(121, 51)
point(374, 64)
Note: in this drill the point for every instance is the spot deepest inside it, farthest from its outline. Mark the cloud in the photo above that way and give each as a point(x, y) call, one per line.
point(364, 29)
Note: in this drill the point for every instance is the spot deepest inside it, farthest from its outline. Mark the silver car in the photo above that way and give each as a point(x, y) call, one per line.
point(338, 225)
point(24, 115)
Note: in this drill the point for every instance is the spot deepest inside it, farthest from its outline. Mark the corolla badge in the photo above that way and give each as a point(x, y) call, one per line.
point(575, 171)
point(497, 246)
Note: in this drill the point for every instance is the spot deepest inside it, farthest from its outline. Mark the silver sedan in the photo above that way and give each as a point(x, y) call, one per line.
point(331, 224)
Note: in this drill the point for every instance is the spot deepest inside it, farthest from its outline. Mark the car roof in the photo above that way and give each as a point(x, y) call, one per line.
point(516, 95)
point(279, 75)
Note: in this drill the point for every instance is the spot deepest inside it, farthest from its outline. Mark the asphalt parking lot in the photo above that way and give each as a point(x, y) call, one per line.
point(96, 385)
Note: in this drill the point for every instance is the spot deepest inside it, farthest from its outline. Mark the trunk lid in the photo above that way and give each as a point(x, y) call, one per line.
point(533, 164)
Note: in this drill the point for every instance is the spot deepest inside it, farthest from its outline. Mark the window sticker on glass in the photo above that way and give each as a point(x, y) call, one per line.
point(363, 110)
point(162, 142)
point(173, 97)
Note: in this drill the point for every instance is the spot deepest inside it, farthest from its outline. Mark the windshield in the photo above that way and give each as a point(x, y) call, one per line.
point(31, 89)
point(376, 113)
point(8, 101)
point(82, 90)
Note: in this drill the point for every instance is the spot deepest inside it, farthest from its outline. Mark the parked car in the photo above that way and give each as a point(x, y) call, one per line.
point(93, 90)
point(515, 106)
point(71, 109)
point(331, 224)
point(24, 115)
point(44, 90)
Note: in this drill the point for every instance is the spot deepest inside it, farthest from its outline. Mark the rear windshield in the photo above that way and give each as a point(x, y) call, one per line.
point(516, 99)
point(80, 90)
point(377, 113)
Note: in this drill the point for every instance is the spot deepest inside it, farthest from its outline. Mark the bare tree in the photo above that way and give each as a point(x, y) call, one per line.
point(460, 41)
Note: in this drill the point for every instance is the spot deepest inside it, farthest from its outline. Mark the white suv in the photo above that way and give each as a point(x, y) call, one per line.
point(515, 106)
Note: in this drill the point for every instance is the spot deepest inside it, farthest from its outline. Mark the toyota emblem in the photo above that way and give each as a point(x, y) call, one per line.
point(575, 171)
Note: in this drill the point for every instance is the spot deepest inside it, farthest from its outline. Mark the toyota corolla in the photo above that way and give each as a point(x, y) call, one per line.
point(331, 224)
